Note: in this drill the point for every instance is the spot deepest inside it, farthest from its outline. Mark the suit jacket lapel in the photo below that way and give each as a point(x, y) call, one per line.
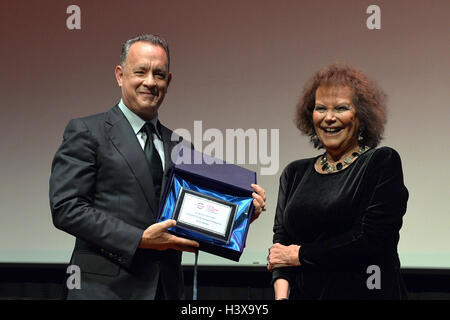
point(124, 139)
point(166, 136)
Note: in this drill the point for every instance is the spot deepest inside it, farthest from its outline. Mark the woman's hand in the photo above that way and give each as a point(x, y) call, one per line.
point(282, 289)
point(282, 256)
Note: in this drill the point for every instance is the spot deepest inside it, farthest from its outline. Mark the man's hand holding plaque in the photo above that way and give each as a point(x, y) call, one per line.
point(156, 237)
point(259, 201)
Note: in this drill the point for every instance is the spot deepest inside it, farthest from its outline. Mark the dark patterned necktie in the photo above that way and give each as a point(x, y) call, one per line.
point(153, 158)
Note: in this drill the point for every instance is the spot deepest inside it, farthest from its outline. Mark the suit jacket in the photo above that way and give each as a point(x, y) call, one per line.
point(101, 191)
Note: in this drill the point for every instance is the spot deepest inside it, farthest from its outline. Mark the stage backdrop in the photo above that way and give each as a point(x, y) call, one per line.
point(236, 65)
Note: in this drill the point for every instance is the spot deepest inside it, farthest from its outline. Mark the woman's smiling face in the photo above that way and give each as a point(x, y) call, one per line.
point(334, 118)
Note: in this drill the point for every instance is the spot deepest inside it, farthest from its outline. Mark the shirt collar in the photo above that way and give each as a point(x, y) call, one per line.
point(135, 121)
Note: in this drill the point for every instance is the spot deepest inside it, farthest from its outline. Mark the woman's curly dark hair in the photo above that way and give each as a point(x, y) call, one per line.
point(370, 102)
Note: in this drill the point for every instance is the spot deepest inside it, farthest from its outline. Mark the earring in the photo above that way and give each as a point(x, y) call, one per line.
point(315, 140)
point(360, 135)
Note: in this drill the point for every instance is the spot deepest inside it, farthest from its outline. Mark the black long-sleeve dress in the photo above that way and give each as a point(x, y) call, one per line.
point(344, 222)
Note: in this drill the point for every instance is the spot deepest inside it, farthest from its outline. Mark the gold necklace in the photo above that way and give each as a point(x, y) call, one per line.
point(329, 168)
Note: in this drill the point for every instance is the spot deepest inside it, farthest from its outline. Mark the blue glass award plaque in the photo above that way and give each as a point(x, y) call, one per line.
point(212, 203)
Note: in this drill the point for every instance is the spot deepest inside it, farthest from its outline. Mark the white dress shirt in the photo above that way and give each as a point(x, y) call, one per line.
point(137, 123)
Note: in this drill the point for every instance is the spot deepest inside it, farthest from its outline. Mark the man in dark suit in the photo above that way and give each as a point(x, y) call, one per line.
point(106, 182)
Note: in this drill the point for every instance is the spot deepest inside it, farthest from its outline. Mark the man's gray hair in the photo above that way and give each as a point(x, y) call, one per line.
point(151, 38)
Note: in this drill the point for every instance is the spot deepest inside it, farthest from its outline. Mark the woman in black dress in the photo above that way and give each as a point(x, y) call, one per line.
point(339, 214)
